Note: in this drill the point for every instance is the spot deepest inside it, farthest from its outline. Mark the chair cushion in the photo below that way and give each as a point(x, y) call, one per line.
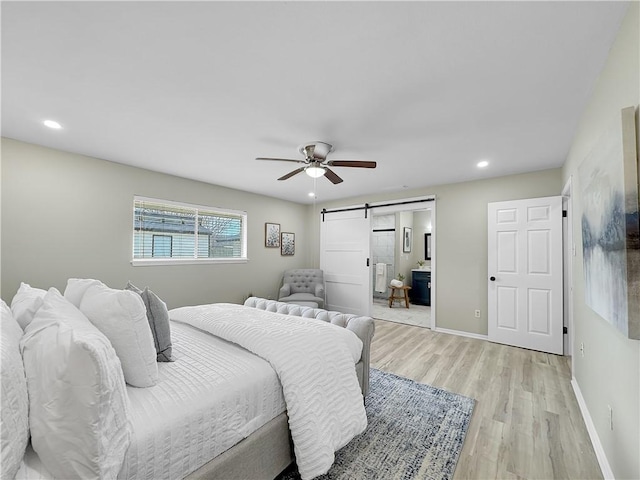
point(302, 297)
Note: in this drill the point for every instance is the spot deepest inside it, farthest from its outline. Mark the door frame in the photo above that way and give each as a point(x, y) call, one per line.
point(569, 252)
point(400, 207)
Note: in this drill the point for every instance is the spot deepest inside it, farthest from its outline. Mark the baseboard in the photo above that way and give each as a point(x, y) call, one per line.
point(460, 333)
point(607, 473)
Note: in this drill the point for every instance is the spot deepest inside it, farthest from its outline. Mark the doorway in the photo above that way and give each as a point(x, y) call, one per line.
point(345, 246)
point(401, 249)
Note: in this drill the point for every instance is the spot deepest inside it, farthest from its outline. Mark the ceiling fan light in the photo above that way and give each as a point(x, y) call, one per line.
point(314, 172)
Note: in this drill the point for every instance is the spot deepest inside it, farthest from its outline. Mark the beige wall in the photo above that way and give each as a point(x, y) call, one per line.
point(461, 239)
point(67, 215)
point(609, 372)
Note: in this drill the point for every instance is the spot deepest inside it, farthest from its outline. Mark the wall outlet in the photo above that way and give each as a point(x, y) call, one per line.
point(582, 349)
point(610, 417)
point(477, 314)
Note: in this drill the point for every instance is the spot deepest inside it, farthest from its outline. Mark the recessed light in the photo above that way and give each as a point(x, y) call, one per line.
point(52, 124)
point(483, 164)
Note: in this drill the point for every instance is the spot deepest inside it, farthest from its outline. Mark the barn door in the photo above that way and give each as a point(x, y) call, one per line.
point(344, 258)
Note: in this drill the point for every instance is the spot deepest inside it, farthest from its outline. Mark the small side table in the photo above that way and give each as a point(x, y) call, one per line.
point(403, 294)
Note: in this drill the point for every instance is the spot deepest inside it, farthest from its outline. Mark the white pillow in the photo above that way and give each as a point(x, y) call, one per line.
point(79, 408)
point(26, 303)
point(122, 317)
point(77, 287)
point(14, 416)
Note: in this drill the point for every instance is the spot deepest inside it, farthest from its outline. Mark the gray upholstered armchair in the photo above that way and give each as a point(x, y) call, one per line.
point(303, 286)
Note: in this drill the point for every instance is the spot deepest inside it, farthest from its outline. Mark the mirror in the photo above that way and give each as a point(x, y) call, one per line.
point(427, 246)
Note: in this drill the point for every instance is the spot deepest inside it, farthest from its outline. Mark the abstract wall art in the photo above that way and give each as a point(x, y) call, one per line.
point(610, 225)
point(288, 243)
point(272, 235)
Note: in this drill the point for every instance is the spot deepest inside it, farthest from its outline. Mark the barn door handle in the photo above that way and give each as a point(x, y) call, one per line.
point(493, 279)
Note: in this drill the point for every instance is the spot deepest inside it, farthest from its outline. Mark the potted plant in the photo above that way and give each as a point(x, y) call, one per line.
point(421, 264)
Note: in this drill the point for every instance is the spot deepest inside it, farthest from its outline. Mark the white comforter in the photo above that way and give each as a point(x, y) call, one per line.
point(214, 395)
point(315, 363)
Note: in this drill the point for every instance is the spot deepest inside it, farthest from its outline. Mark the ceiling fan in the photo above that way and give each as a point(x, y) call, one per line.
point(316, 164)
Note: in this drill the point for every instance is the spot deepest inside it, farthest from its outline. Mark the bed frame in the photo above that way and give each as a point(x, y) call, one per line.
point(265, 453)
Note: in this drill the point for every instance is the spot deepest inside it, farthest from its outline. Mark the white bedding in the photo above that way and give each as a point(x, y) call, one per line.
point(315, 362)
point(177, 423)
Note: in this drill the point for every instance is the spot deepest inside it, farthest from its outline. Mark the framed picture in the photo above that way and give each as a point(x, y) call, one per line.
point(288, 243)
point(272, 235)
point(427, 246)
point(610, 226)
point(406, 240)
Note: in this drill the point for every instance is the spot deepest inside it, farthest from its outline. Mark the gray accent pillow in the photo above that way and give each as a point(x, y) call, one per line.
point(158, 317)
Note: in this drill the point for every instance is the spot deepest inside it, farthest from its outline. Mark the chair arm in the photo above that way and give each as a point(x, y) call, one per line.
point(319, 290)
point(285, 290)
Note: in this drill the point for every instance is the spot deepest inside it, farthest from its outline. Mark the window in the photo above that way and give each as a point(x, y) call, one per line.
point(161, 246)
point(166, 232)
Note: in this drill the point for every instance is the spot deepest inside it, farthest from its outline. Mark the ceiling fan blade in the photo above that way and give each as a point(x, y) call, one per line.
point(291, 174)
point(280, 159)
point(331, 175)
point(352, 163)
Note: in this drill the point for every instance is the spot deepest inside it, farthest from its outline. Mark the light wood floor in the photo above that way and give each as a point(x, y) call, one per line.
point(526, 423)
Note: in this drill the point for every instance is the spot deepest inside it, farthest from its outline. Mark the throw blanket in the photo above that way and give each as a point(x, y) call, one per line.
point(315, 363)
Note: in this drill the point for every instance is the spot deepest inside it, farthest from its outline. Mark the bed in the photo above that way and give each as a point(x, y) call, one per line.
point(219, 410)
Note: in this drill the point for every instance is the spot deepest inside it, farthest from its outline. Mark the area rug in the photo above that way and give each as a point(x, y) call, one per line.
point(415, 431)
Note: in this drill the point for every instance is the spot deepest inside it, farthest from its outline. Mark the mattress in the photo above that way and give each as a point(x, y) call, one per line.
point(213, 395)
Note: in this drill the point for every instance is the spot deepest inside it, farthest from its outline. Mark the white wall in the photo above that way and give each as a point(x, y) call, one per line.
point(609, 372)
point(66, 215)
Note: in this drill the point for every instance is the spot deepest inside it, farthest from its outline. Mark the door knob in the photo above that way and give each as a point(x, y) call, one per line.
point(493, 279)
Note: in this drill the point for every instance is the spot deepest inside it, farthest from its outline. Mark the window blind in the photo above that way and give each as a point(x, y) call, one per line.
point(171, 230)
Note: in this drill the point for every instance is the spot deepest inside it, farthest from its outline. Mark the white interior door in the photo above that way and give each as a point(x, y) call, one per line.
point(525, 273)
point(344, 254)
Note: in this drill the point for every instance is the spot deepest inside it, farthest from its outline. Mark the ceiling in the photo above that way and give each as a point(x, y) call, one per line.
point(199, 89)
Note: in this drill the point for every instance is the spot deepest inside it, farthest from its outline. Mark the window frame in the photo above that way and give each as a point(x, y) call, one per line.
point(153, 245)
point(207, 210)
